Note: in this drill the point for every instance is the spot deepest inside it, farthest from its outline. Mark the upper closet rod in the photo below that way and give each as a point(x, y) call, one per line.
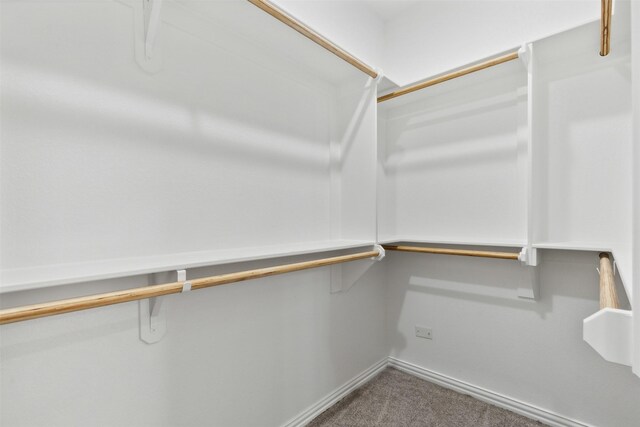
point(312, 35)
point(35, 311)
point(605, 27)
point(449, 76)
point(461, 252)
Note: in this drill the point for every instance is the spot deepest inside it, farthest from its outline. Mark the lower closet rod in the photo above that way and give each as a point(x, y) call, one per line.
point(461, 252)
point(608, 294)
point(52, 308)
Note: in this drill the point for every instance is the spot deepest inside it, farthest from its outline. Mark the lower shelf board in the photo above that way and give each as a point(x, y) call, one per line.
point(440, 241)
point(574, 246)
point(63, 274)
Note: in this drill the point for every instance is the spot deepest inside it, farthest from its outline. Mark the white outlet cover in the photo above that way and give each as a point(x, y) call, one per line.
point(423, 332)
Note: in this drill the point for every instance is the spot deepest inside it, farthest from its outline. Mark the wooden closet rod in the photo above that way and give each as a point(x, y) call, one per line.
point(461, 252)
point(312, 35)
point(449, 76)
point(605, 26)
point(35, 311)
point(608, 295)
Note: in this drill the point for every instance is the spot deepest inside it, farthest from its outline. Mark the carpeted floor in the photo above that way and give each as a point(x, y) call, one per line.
point(394, 398)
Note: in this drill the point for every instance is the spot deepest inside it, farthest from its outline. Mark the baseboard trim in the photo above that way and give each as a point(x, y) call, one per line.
point(328, 401)
point(495, 399)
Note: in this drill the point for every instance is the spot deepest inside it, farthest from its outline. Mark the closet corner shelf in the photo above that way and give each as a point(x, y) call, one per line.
point(441, 241)
point(621, 257)
point(64, 274)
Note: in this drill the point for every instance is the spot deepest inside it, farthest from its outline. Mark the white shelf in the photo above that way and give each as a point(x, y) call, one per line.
point(619, 255)
point(440, 241)
point(574, 246)
point(610, 333)
point(63, 274)
point(387, 85)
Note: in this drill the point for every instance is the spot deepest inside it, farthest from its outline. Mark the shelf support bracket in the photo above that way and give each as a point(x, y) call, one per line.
point(530, 288)
point(153, 322)
point(343, 276)
point(147, 25)
point(610, 333)
point(529, 258)
point(153, 325)
point(151, 10)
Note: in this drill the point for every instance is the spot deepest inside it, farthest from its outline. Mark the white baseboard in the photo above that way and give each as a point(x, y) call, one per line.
point(328, 401)
point(495, 399)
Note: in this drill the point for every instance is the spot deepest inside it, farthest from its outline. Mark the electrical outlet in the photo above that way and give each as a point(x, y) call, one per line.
point(423, 332)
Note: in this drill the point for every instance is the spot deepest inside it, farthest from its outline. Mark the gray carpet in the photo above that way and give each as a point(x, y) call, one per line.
point(394, 398)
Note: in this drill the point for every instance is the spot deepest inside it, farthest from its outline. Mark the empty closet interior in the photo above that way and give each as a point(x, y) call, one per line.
point(353, 173)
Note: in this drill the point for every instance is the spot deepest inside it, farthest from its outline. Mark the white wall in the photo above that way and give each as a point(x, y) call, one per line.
point(486, 336)
point(102, 159)
point(255, 353)
point(452, 160)
point(97, 152)
point(436, 36)
point(635, 66)
point(584, 99)
point(258, 353)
